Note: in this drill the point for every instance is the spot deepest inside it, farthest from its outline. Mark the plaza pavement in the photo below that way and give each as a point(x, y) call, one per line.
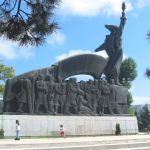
point(122, 142)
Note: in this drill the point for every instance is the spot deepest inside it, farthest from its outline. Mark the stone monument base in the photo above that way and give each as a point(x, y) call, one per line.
point(42, 125)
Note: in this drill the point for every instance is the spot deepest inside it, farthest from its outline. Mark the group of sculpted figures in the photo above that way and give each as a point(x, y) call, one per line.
point(47, 91)
point(93, 97)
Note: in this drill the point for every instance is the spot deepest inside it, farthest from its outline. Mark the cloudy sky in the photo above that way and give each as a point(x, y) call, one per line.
point(82, 31)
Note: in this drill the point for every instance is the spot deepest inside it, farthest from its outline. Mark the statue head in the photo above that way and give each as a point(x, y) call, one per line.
point(49, 77)
point(73, 80)
point(112, 81)
point(90, 81)
point(111, 28)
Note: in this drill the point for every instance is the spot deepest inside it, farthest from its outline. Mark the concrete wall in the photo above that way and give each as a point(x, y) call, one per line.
point(34, 125)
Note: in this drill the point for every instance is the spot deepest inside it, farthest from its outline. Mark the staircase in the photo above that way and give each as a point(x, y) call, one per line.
point(132, 142)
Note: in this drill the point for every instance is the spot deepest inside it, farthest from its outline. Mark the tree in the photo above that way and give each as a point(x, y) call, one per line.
point(144, 118)
point(5, 73)
point(131, 111)
point(129, 99)
point(127, 72)
point(27, 21)
point(118, 130)
point(147, 73)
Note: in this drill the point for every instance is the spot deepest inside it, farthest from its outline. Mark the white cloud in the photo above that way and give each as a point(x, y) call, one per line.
point(141, 100)
point(93, 7)
point(132, 88)
point(71, 53)
point(56, 38)
point(10, 50)
point(80, 51)
point(102, 53)
point(124, 56)
point(143, 3)
point(82, 77)
point(7, 50)
point(26, 53)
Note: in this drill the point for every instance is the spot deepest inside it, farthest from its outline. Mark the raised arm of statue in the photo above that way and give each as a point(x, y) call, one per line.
point(121, 26)
point(123, 20)
point(100, 48)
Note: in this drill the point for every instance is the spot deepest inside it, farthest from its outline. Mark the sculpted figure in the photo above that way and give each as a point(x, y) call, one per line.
point(91, 94)
point(63, 97)
point(114, 103)
point(82, 85)
point(82, 103)
point(96, 95)
point(71, 105)
point(50, 88)
point(9, 97)
point(100, 99)
point(113, 48)
point(88, 95)
point(106, 105)
point(23, 98)
point(60, 96)
point(40, 94)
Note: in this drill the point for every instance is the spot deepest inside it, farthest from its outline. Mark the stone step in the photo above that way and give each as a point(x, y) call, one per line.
point(123, 142)
point(89, 147)
point(139, 148)
point(117, 145)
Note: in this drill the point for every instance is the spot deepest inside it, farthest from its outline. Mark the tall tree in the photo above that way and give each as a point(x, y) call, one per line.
point(27, 21)
point(127, 74)
point(5, 73)
point(147, 73)
point(144, 118)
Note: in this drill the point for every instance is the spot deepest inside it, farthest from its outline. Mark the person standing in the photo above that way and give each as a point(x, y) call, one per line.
point(17, 130)
point(62, 131)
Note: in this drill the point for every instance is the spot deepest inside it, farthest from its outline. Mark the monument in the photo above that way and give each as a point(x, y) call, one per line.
point(47, 92)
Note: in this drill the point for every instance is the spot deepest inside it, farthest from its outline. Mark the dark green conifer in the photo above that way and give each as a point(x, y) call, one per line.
point(27, 21)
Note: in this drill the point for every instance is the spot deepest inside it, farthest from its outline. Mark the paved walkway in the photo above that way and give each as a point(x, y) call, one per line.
point(101, 139)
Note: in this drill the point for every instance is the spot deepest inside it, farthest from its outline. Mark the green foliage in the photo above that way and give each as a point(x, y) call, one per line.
point(1, 133)
point(127, 72)
point(131, 111)
point(5, 73)
point(147, 73)
point(144, 118)
point(129, 99)
point(148, 128)
point(118, 130)
point(2, 88)
point(27, 21)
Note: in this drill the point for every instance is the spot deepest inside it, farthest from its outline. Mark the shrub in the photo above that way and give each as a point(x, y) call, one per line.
point(1, 133)
point(118, 130)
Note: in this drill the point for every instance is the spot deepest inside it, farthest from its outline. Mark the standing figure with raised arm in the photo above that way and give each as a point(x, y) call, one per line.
point(113, 48)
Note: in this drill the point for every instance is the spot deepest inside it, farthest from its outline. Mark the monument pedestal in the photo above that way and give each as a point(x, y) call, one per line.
point(33, 125)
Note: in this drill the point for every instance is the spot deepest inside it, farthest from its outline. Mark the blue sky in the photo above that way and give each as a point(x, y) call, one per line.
point(82, 30)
